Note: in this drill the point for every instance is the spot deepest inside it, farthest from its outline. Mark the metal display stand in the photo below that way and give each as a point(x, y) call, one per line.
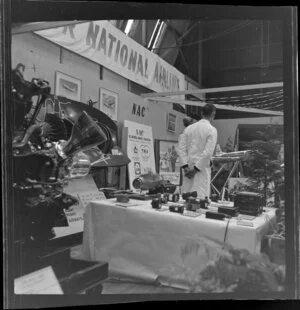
point(225, 158)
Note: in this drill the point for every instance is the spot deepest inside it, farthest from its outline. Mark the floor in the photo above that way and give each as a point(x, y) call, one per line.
point(117, 287)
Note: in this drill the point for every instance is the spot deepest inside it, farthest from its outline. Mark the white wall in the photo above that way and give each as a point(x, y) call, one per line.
point(227, 128)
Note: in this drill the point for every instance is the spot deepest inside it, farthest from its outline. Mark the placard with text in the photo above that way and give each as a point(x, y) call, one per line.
point(140, 150)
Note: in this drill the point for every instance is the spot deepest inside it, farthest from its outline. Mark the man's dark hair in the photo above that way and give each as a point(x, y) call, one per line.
point(187, 122)
point(208, 109)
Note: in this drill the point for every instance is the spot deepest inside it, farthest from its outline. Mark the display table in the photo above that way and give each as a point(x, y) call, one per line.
point(140, 242)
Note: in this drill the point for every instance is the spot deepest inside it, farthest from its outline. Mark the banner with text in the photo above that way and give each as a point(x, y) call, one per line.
point(140, 150)
point(108, 46)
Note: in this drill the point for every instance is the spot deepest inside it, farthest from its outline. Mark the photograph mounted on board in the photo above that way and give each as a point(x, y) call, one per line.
point(167, 160)
point(108, 103)
point(67, 86)
point(171, 122)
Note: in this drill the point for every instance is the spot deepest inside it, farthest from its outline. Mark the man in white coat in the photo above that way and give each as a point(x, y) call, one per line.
point(195, 149)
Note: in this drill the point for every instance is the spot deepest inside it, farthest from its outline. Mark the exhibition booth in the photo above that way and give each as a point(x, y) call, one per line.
point(100, 202)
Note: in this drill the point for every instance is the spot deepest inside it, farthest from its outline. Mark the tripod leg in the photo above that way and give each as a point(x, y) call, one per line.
point(235, 166)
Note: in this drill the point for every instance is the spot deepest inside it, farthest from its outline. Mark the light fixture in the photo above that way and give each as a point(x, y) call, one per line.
point(159, 35)
point(153, 34)
point(128, 26)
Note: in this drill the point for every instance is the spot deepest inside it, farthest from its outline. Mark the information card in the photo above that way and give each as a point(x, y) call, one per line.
point(85, 190)
point(42, 281)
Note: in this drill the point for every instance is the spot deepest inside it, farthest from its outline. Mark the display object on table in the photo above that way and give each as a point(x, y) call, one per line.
point(164, 199)
point(204, 203)
point(192, 204)
point(156, 203)
point(185, 196)
point(214, 197)
point(122, 198)
point(171, 197)
point(113, 192)
point(176, 209)
point(138, 196)
point(215, 215)
point(154, 183)
point(249, 203)
point(231, 211)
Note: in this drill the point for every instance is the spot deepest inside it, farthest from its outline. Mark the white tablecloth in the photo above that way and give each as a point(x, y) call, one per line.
point(141, 242)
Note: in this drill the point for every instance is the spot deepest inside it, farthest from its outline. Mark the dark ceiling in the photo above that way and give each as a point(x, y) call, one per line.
point(222, 53)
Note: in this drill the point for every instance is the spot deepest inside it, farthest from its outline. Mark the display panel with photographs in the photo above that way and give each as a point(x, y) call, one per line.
point(167, 160)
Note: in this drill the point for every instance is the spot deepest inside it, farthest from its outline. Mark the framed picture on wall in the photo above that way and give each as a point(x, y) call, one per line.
point(67, 86)
point(171, 122)
point(167, 160)
point(108, 101)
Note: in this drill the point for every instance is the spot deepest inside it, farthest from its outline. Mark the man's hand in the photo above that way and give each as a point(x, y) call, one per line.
point(191, 173)
point(186, 170)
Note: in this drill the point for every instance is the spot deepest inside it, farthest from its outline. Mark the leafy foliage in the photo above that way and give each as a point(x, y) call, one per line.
point(216, 267)
point(241, 271)
point(265, 169)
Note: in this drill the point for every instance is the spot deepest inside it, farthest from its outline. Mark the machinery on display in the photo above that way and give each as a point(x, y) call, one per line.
point(153, 183)
point(45, 156)
point(249, 203)
point(47, 153)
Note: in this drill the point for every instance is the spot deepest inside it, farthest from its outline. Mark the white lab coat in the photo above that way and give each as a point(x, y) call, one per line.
point(196, 146)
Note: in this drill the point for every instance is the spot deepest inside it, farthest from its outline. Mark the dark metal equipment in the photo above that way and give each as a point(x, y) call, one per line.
point(231, 211)
point(176, 209)
point(154, 183)
point(249, 203)
point(46, 154)
point(185, 196)
point(156, 203)
point(215, 215)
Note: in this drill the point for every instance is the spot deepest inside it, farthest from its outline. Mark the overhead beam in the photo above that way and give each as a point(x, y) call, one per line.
point(213, 90)
point(19, 28)
point(218, 106)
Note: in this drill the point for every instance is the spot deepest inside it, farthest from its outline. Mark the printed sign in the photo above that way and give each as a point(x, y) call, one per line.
point(139, 149)
point(85, 190)
point(138, 110)
point(108, 46)
point(86, 197)
point(42, 281)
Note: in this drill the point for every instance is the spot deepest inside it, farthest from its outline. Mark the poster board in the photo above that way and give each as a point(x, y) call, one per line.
point(140, 149)
point(167, 160)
